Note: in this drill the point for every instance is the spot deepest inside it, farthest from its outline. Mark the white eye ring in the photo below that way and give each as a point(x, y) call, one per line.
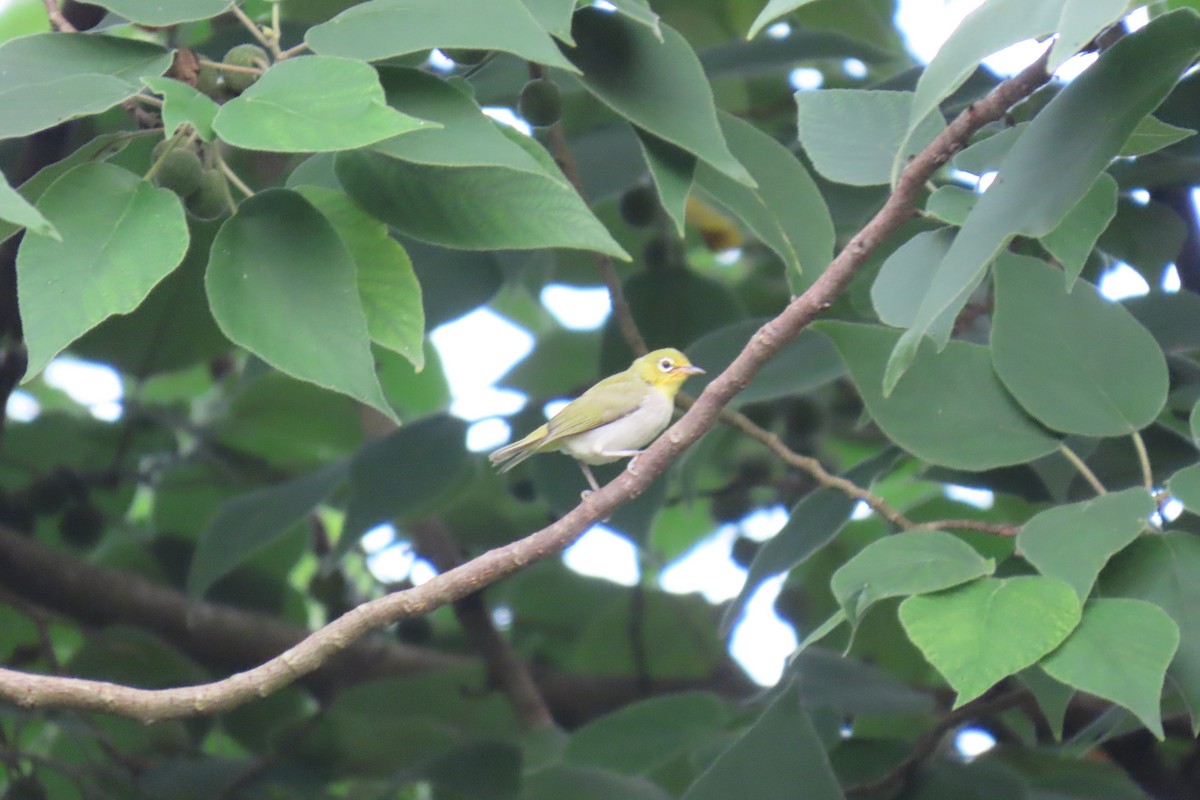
point(666, 364)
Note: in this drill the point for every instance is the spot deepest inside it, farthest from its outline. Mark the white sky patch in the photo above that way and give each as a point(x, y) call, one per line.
point(985, 180)
point(378, 538)
point(979, 498)
point(94, 386)
point(780, 30)
point(706, 568)
point(1137, 19)
point(553, 407)
point(392, 564)
point(762, 641)
point(22, 407)
point(604, 5)
point(854, 68)
point(422, 572)
point(1139, 196)
point(764, 523)
point(476, 350)
point(577, 308)
point(440, 61)
point(926, 24)
point(1170, 280)
point(973, 742)
point(600, 553)
point(488, 434)
point(1170, 510)
point(861, 510)
point(487, 402)
point(507, 116)
point(805, 79)
point(1123, 281)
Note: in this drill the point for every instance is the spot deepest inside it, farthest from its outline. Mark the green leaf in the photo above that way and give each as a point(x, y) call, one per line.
point(1073, 542)
point(553, 15)
point(805, 363)
point(785, 210)
point(184, 104)
point(385, 28)
point(1185, 487)
point(977, 635)
point(1072, 241)
point(384, 486)
point(316, 103)
point(159, 13)
point(950, 408)
point(639, 11)
point(580, 783)
point(387, 285)
point(1120, 652)
point(281, 284)
point(16, 209)
point(950, 204)
point(657, 85)
point(1052, 698)
point(248, 523)
point(828, 680)
point(53, 77)
point(780, 752)
point(473, 208)
point(119, 237)
point(1152, 134)
point(638, 738)
point(812, 523)
point(466, 136)
point(988, 29)
point(1073, 360)
point(673, 170)
point(899, 287)
point(910, 563)
point(1080, 23)
point(773, 11)
point(856, 136)
point(1194, 423)
point(1162, 570)
point(1097, 111)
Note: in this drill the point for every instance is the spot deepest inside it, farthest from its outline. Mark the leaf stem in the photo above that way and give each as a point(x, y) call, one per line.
point(204, 62)
point(1079, 464)
point(228, 172)
point(1144, 461)
point(255, 31)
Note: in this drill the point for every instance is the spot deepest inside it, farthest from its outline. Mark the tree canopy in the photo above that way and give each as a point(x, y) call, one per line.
point(256, 212)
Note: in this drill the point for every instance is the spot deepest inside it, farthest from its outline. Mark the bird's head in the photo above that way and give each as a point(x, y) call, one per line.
point(665, 369)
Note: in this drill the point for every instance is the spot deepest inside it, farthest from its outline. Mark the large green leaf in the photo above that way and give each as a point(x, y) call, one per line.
point(250, 522)
point(53, 77)
point(317, 103)
point(777, 755)
point(387, 285)
point(637, 738)
point(1162, 570)
point(1072, 241)
point(950, 408)
point(384, 28)
point(1073, 360)
point(119, 237)
point(785, 210)
point(473, 208)
point(857, 136)
point(977, 635)
point(899, 286)
point(910, 563)
point(160, 13)
point(282, 284)
point(673, 170)
point(1080, 23)
point(813, 523)
point(657, 85)
point(16, 209)
point(1074, 542)
point(553, 15)
point(466, 138)
point(184, 104)
point(1120, 652)
point(405, 474)
point(1185, 487)
point(773, 11)
point(1097, 112)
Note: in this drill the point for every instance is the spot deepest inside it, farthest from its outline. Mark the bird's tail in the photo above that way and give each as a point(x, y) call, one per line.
point(510, 455)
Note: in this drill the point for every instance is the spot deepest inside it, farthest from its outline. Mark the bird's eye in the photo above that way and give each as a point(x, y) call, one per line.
point(666, 364)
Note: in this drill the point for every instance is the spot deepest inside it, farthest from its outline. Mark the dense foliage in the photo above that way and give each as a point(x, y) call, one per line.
point(255, 215)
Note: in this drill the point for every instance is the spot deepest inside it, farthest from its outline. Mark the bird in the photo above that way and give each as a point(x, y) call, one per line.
point(613, 419)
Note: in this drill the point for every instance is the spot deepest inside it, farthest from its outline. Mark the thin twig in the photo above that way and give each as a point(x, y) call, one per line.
point(292, 51)
point(60, 23)
point(233, 177)
point(314, 651)
point(252, 26)
point(1144, 461)
point(1083, 469)
point(205, 62)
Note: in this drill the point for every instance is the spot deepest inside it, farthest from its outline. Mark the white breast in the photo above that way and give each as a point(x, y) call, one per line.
point(630, 432)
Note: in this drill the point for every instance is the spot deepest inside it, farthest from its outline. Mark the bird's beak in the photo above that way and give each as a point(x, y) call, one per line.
point(690, 369)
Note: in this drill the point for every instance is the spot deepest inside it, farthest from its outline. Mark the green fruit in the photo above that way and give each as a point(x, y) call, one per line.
point(208, 81)
point(208, 201)
point(82, 525)
point(244, 55)
point(465, 56)
point(540, 103)
point(179, 170)
point(639, 206)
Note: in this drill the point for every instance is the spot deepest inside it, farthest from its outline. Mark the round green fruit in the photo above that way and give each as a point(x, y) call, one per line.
point(540, 103)
point(244, 55)
point(208, 201)
point(208, 81)
point(179, 170)
point(639, 206)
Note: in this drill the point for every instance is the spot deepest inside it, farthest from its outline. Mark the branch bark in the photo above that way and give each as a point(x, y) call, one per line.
point(309, 655)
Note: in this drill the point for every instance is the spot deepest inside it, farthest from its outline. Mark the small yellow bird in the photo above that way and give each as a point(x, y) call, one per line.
point(611, 420)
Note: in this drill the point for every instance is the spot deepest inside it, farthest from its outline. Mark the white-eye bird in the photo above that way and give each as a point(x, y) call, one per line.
point(613, 419)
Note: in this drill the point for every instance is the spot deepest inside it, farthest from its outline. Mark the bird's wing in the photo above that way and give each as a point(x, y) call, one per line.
point(612, 402)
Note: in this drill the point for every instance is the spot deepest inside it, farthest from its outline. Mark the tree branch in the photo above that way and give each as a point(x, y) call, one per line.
point(455, 584)
point(60, 23)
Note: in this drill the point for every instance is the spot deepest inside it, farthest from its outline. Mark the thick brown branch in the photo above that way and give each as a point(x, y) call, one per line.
point(57, 19)
point(310, 654)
